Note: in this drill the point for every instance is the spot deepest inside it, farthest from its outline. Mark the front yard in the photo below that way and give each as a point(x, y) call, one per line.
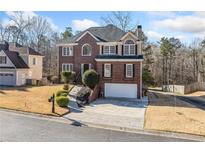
point(167, 113)
point(31, 99)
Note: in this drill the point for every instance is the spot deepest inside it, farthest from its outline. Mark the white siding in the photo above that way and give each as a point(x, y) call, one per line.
point(8, 61)
point(35, 71)
point(21, 76)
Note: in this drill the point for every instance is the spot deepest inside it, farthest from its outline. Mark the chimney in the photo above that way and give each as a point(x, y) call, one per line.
point(138, 31)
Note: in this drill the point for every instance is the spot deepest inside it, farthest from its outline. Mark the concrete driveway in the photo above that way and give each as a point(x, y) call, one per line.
point(123, 113)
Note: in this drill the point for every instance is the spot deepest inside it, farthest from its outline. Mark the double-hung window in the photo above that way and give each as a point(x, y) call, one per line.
point(129, 70)
point(109, 50)
point(67, 51)
point(67, 67)
point(86, 50)
point(129, 47)
point(2, 59)
point(107, 70)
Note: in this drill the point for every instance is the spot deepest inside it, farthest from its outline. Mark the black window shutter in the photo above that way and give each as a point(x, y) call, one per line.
point(60, 51)
point(125, 70)
point(135, 49)
point(133, 65)
point(102, 70)
point(111, 69)
point(102, 49)
point(116, 49)
point(122, 50)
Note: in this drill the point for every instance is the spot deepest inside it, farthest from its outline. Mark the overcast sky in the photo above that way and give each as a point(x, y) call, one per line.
point(183, 25)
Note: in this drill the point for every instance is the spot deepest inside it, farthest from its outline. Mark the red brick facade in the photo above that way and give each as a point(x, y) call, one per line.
point(77, 59)
point(118, 75)
point(117, 66)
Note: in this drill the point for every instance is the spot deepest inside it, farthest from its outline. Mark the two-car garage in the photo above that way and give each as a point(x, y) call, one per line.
point(120, 90)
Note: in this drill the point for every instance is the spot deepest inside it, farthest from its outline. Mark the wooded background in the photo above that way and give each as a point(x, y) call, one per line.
point(167, 61)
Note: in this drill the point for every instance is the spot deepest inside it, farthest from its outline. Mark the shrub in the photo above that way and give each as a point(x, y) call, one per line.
point(54, 79)
point(62, 101)
point(66, 76)
point(61, 93)
point(65, 87)
point(90, 78)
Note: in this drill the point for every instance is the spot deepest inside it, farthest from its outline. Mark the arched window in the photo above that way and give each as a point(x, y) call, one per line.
point(86, 50)
point(129, 47)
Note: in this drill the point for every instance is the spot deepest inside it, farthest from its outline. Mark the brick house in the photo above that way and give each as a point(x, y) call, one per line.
point(113, 53)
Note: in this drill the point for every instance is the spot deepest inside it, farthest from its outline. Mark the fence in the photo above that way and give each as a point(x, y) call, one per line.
point(185, 89)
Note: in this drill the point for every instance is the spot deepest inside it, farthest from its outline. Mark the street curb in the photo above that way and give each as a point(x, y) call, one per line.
point(190, 137)
point(147, 132)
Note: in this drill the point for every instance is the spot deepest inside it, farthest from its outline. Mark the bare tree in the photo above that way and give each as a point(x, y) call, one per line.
point(120, 19)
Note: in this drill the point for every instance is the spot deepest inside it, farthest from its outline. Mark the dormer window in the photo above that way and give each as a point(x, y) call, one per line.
point(67, 51)
point(109, 50)
point(129, 47)
point(86, 50)
point(2, 59)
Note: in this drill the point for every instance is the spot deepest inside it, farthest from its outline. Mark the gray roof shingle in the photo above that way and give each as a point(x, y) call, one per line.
point(109, 33)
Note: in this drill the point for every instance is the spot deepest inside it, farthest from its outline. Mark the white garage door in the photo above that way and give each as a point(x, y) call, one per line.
point(120, 90)
point(7, 79)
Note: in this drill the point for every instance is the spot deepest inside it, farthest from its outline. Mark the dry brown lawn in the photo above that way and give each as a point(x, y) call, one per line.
point(167, 114)
point(31, 99)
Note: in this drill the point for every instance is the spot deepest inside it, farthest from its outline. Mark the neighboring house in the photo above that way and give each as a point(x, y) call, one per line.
point(19, 63)
point(113, 53)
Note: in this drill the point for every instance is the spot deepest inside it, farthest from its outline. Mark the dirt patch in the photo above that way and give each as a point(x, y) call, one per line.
point(31, 99)
point(170, 114)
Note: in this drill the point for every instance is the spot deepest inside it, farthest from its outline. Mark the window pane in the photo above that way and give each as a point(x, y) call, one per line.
point(87, 49)
point(107, 70)
point(132, 50)
point(106, 50)
point(129, 70)
point(126, 50)
point(112, 49)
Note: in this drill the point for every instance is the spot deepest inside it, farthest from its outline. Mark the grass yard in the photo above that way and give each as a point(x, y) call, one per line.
point(31, 99)
point(167, 114)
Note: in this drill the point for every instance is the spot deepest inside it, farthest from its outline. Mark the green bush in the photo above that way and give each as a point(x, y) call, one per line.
point(66, 76)
point(62, 101)
point(61, 93)
point(54, 79)
point(90, 78)
point(65, 87)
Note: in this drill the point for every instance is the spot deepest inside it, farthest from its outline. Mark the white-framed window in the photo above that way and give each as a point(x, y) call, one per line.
point(67, 51)
point(129, 70)
point(34, 61)
point(129, 47)
point(67, 67)
point(109, 50)
point(107, 70)
point(2, 59)
point(86, 50)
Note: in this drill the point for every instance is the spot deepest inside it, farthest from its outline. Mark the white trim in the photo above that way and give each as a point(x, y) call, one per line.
point(69, 65)
point(129, 33)
point(119, 60)
point(129, 76)
point(129, 45)
point(109, 43)
point(109, 51)
point(109, 72)
point(82, 67)
point(82, 50)
point(87, 32)
point(141, 80)
point(70, 51)
point(66, 44)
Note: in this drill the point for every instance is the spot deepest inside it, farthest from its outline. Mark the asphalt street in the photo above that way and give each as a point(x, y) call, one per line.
point(21, 128)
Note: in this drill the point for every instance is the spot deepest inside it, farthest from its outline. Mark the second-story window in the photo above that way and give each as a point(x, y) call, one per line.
point(86, 50)
point(34, 61)
point(2, 59)
point(129, 47)
point(109, 50)
point(67, 51)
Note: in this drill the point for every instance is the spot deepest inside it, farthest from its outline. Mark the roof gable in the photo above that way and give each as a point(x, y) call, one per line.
point(87, 32)
point(17, 61)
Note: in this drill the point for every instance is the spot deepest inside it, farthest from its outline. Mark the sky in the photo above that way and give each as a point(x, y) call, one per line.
point(183, 25)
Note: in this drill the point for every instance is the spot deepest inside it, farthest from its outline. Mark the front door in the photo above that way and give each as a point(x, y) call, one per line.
point(85, 67)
